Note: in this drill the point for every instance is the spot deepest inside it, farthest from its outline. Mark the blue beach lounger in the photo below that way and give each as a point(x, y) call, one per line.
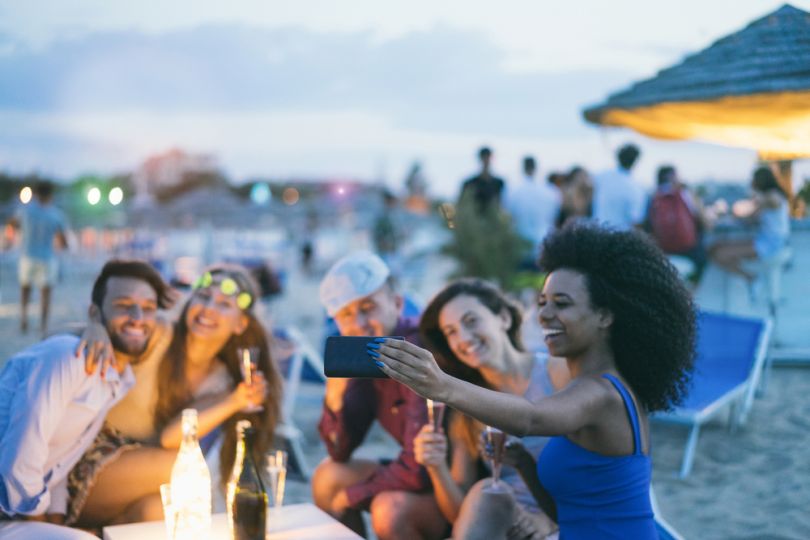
point(731, 351)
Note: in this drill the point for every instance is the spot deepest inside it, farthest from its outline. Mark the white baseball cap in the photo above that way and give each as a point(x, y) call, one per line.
point(356, 275)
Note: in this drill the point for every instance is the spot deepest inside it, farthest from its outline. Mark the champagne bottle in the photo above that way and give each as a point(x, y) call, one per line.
point(249, 509)
point(241, 425)
point(191, 484)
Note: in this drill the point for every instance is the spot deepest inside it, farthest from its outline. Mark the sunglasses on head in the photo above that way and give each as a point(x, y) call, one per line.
point(227, 286)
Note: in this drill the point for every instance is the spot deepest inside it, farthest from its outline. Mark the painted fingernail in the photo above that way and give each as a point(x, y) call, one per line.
point(380, 364)
point(373, 345)
point(374, 354)
point(379, 339)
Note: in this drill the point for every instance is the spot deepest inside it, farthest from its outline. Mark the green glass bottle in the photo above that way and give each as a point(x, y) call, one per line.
point(249, 510)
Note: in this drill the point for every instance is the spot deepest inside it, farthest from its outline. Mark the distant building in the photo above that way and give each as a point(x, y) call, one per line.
point(168, 170)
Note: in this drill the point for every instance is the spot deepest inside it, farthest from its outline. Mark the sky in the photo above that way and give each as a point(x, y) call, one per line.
point(351, 89)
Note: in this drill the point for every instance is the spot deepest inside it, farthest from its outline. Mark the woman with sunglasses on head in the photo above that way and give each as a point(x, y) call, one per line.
point(200, 369)
point(203, 369)
point(617, 311)
point(473, 330)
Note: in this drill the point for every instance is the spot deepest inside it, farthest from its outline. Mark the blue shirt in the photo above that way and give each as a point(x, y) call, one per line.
point(50, 413)
point(599, 496)
point(38, 225)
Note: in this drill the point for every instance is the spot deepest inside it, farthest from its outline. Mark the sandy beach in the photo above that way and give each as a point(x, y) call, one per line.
point(751, 484)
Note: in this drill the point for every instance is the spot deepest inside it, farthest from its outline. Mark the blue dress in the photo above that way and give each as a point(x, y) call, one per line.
point(600, 496)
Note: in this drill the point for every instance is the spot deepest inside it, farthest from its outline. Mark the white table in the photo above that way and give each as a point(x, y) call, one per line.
point(294, 522)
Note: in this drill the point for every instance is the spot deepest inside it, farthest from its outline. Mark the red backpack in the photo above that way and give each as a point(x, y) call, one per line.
point(671, 223)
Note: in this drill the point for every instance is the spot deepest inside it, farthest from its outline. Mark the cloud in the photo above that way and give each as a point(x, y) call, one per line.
point(439, 79)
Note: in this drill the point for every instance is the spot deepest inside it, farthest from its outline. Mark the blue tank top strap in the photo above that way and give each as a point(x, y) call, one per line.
point(631, 410)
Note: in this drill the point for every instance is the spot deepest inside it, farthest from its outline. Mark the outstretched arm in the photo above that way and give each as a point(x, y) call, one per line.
point(564, 412)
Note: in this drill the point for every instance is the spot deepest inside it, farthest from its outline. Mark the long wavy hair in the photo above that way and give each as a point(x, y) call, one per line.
point(174, 393)
point(653, 332)
point(433, 338)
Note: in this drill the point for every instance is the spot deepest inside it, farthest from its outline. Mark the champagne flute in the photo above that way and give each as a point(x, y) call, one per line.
point(248, 365)
point(277, 471)
point(435, 411)
point(169, 511)
point(495, 445)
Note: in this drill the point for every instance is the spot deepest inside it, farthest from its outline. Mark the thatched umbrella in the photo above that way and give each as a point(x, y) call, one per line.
point(750, 89)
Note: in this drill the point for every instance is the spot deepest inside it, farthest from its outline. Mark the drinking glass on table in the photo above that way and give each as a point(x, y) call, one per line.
point(435, 410)
point(277, 472)
point(169, 512)
point(495, 443)
point(249, 365)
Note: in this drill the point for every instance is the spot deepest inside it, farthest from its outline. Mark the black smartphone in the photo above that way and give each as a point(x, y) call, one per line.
point(347, 357)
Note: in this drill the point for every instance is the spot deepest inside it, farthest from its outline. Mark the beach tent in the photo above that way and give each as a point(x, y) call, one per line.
point(750, 89)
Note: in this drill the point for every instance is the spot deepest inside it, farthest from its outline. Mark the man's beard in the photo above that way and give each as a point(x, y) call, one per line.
point(121, 346)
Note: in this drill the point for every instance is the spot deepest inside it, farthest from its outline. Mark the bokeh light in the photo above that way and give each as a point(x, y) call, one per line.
point(743, 208)
point(290, 196)
point(116, 196)
point(260, 193)
point(94, 196)
point(25, 195)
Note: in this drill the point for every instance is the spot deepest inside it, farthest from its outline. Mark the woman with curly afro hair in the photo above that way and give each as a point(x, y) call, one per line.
point(616, 310)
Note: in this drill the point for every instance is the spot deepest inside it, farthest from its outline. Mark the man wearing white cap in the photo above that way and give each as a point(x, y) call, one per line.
point(357, 292)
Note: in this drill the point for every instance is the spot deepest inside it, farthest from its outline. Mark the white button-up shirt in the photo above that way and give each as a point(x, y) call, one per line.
point(618, 200)
point(50, 413)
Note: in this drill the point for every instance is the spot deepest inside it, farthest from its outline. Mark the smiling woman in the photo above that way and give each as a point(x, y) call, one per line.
point(616, 310)
point(474, 331)
point(202, 368)
point(191, 363)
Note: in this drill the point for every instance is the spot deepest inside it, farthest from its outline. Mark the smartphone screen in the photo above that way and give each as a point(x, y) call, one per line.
point(347, 356)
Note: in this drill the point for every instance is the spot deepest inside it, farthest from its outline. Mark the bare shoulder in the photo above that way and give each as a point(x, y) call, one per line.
point(607, 399)
point(593, 395)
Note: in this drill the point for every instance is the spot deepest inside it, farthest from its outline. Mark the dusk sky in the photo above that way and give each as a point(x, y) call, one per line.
point(350, 89)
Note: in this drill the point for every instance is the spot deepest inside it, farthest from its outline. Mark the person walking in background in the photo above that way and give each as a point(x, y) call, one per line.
point(416, 187)
point(770, 212)
point(576, 188)
point(387, 232)
point(534, 207)
point(310, 230)
point(51, 411)
point(358, 293)
point(484, 189)
point(618, 201)
point(676, 220)
point(41, 225)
